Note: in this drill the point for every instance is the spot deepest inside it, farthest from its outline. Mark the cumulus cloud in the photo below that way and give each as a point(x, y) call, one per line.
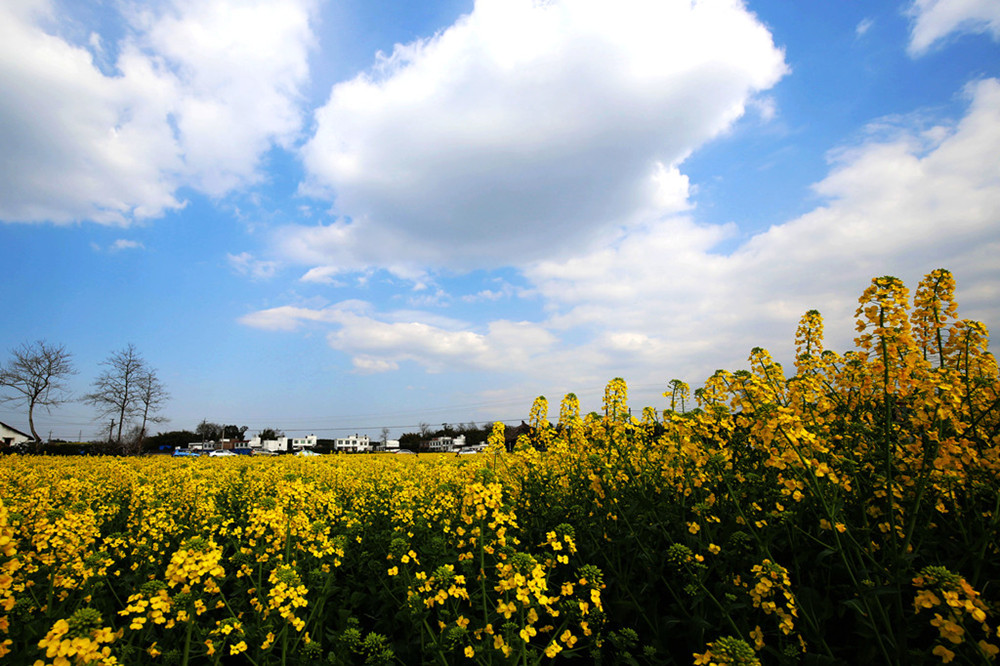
point(921, 200)
point(660, 301)
point(526, 128)
point(377, 342)
point(195, 94)
point(238, 67)
point(934, 20)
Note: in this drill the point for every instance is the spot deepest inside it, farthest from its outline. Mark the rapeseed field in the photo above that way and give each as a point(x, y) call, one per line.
point(843, 512)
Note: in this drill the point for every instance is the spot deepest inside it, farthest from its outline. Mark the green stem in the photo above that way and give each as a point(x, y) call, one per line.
point(50, 597)
point(187, 642)
point(438, 651)
point(982, 550)
point(841, 551)
point(482, 573)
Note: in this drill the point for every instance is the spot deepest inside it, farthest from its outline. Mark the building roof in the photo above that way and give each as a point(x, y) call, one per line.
point(12, 428)
point(510, 434)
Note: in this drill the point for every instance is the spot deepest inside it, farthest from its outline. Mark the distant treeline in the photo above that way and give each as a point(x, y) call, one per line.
point(167, 441)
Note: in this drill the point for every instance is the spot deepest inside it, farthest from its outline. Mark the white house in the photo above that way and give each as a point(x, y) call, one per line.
point(10, 436)
point(300, 443)
point(354, 444)
point(293, 444)
point(201, 446)
point(446, 444)
point(272, 445)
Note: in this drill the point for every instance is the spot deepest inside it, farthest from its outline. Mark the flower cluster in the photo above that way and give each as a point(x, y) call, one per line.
point(79, 640)
point(770, 579)
point(560, 540)
point(152, 604)
point(9, 564)
point(443, 584)
point(287, 594)
point(197, 561)
point(727, 651)
point(956, 607)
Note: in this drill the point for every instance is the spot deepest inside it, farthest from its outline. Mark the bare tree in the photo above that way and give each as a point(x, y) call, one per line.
point(116, 390)
point(132, 440)
point(385, 438)
point(36, 373)
point(151, 395)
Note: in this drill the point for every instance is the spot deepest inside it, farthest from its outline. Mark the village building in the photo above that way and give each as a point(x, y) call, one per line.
point(286, 444)
point(11, 436)
point(446, 444)
point(353, 444)
point(300, 443)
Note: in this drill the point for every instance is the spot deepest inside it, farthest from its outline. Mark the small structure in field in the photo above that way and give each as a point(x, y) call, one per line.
point(11, 436)
point(353, 444)
point(446, 444)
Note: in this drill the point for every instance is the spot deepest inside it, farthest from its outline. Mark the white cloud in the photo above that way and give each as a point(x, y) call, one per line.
point(863, 27)
point(438, 298)
point(765, 106)
point(660, 301)
point(239, 67)
point(378, 342)
point(526, 128)
point(934, 20)
point(366, 365)
point(245, 263)
point(119, 245)
point(285, 318)
point(197, 93)
point(905, 206)
point(124, 244)
point(504, 290)
point(323, 275)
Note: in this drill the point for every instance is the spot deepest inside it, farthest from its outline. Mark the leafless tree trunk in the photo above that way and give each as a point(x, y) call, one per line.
point(36, 373)
point(151, 394)
point(117, 389)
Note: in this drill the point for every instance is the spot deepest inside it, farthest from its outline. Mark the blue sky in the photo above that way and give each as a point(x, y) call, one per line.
point(335, 216)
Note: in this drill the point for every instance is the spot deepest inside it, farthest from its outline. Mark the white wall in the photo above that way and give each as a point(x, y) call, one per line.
point(354, 443)
point(10, 437)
